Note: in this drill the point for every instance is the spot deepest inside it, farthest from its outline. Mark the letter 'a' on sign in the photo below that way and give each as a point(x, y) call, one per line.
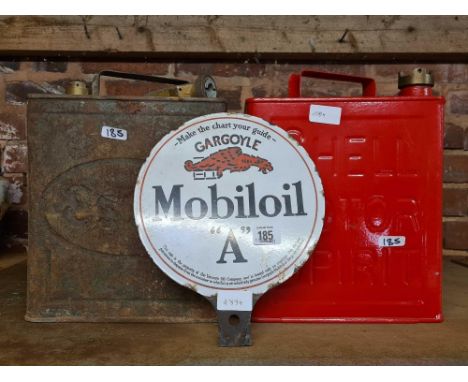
point(229, 205)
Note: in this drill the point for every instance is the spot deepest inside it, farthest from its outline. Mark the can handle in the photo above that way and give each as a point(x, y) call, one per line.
point(294, 87)
point(132, 76)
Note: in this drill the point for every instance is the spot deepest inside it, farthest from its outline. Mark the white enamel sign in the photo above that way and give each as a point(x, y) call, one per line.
point(229, 204)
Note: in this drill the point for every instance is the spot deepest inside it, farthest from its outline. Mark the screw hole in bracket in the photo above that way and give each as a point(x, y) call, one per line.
point(234, 320)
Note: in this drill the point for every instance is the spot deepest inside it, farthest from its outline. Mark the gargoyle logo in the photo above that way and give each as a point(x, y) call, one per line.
point(232, 159)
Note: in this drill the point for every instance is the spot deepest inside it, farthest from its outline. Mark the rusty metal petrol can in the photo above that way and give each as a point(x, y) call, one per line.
point(85, 261)
point(380, 161)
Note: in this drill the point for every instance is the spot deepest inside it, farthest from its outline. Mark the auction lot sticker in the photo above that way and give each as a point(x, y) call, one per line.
point(229, 203)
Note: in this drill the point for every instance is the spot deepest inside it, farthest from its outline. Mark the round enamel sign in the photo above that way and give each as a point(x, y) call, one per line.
point(229, 202)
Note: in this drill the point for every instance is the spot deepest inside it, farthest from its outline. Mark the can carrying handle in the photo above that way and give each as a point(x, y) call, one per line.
point(294, 87)
point(132, 76)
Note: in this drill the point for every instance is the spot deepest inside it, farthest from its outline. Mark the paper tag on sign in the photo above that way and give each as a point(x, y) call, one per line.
point(234, 300)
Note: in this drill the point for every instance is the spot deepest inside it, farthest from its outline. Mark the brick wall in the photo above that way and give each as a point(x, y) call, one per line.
point(236, 82)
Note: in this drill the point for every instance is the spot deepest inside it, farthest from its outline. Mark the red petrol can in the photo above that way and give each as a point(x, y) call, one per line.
point(380, 161)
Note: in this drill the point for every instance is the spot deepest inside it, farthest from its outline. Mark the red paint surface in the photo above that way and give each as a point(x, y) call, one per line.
point(381, 170)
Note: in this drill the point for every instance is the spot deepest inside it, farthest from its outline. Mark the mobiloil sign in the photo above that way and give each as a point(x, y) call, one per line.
point(229, 206)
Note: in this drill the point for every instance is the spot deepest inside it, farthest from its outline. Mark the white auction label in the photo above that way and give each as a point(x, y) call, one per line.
point(234, 300)
point(114, 133)
point(229, 202)
point(392, 241)
point(330, 115)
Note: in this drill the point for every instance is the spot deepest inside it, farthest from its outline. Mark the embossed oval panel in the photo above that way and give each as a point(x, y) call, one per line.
point(90, 206)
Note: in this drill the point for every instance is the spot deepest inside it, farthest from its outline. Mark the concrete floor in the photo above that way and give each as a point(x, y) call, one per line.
point(24, 343)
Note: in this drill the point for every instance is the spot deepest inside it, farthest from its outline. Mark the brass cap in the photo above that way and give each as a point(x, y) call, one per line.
point(418, 76)
point(77, 88)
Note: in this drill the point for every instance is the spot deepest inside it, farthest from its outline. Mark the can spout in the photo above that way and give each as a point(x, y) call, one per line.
point(418, 83)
